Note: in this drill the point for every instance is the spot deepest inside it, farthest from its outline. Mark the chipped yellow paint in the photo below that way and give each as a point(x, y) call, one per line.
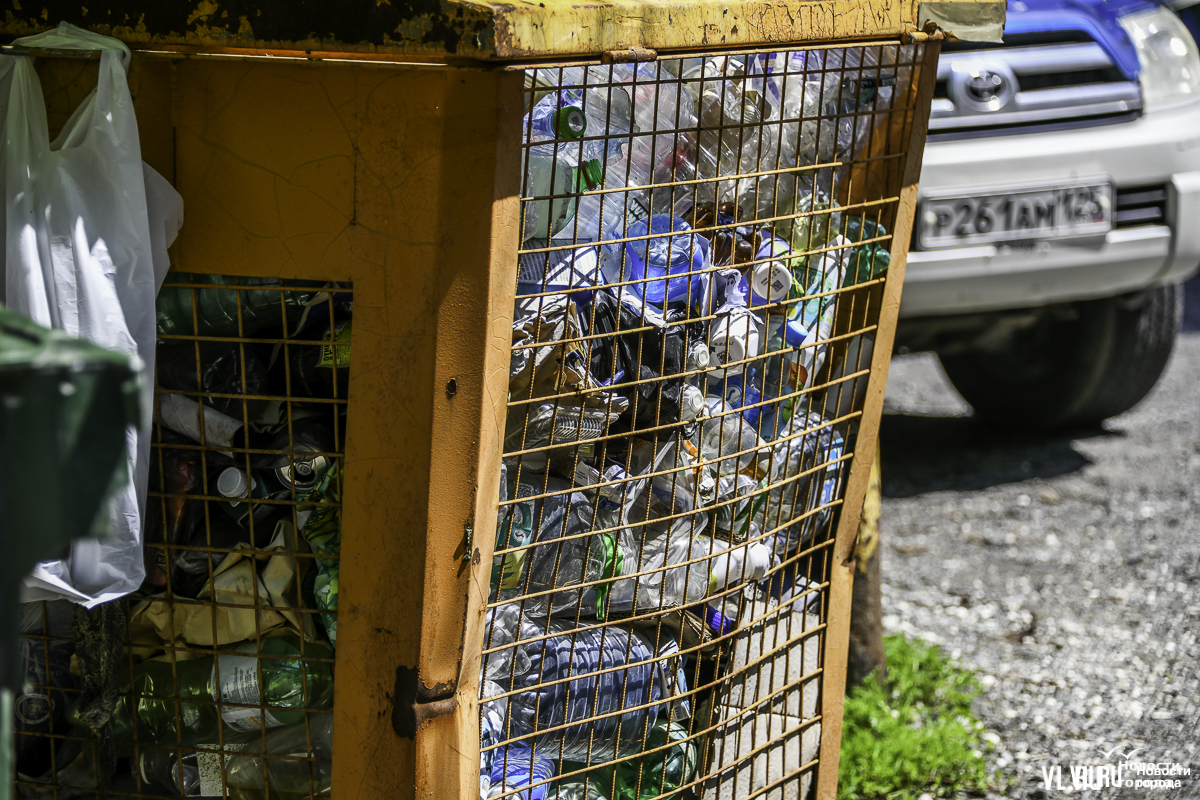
point(517, 29)
point(204, 10)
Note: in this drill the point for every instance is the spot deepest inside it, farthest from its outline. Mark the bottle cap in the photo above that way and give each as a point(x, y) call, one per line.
point(771, 281)
point(569, 122)
point(592, 173)
point(691, 403)
point(727, 349)
point(699, 356)
point(232, 482)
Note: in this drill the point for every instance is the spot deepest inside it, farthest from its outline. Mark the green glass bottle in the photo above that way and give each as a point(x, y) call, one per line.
point(232, 679)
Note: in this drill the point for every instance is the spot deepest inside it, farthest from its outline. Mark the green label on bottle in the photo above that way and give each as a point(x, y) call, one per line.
point(336, 351)
point(516, 532)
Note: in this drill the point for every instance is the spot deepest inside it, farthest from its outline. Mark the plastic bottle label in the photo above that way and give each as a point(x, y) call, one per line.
point(239, 684)
point(212, 767)
point(337, 350)
point(519, 533)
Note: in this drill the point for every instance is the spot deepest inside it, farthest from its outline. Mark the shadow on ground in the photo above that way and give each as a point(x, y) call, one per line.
point(1191, 304)
point(933, 454)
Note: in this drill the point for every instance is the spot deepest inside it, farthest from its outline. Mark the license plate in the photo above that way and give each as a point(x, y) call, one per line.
point(1027, 214)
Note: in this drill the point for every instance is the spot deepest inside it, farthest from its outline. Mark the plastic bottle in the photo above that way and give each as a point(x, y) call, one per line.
point(804, 444)
point(581, 560)
point(39, 709)
point(672, 569)
point(175, 771)
point(813, 323)
point(556, 425)
point(609, 669)
point(516, 766)
point(553, 180)
point(734, 337)
point(226, 678)
point(743, 564)
point(725, 434)
point(305, 771)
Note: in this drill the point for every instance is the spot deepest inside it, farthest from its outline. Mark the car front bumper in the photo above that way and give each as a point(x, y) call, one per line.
point(1161, 148)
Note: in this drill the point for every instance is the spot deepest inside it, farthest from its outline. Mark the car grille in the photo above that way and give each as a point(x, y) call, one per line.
point(1141, 205)
point(1032, 82)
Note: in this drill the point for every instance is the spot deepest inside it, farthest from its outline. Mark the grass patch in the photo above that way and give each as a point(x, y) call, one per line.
point(914, 734)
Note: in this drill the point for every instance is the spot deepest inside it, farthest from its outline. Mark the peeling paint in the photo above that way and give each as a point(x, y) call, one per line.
point(476, 29)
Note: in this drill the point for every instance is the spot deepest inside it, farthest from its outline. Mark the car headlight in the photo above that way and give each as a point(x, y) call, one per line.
point(1168, 56)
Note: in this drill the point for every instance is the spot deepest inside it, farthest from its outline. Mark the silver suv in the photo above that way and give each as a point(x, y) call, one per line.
point(1059, 210)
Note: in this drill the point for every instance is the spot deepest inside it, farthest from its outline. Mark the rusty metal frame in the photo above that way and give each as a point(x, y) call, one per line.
point(842, 578)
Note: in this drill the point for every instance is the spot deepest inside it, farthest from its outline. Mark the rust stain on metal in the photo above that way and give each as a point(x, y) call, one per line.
point(471, 29)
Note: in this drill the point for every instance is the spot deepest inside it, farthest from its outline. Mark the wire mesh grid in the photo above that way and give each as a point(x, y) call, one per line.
point(222, 664)
point(704, 242)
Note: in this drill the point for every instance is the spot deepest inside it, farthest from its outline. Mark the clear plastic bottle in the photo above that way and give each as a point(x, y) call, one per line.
point(176, 772)
point(293, 770)
point(728, 434)
point(556, 425)
point(553, 181)
point(804, 444)
point(668, 578)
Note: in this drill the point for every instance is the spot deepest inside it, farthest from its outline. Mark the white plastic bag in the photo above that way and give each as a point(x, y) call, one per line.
point(86, 231)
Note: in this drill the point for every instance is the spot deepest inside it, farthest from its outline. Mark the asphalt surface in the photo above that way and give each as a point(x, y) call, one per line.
point(1064, 570)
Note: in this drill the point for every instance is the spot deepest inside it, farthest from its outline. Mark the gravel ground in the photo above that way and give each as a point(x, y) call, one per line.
point(1065, 571)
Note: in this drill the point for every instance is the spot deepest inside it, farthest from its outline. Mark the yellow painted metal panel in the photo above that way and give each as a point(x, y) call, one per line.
point(482, 30)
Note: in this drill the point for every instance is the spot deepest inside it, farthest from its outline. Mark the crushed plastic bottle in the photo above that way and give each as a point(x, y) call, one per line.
point(609, 669)
point(516, 766)
point(728, 439)
point(806, 442)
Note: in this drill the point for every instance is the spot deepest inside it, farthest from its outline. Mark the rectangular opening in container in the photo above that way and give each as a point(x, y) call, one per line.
point(216, 677)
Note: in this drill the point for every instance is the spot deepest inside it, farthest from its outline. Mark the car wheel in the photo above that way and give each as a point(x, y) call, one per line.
point(1079, 364)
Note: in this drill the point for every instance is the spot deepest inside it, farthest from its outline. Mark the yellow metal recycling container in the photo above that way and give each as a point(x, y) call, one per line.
point(520, 371)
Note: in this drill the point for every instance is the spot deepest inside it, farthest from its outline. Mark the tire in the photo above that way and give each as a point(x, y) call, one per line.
point(1078, 365)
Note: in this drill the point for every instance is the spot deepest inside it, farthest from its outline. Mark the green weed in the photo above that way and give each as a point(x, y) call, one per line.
point(914, 734)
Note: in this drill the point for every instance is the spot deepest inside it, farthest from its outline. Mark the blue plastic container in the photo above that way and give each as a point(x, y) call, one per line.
point(673, 264)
